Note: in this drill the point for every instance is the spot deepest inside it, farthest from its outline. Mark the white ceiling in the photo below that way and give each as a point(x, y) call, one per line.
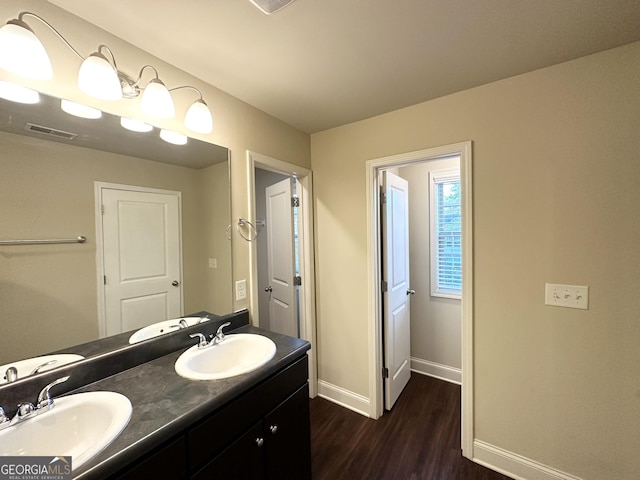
point(318, 64)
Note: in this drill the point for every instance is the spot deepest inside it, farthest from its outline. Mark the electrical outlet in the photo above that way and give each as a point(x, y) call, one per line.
point(241, 289)
point(568, 296)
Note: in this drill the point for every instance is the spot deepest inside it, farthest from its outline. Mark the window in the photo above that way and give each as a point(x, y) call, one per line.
point(446, 233)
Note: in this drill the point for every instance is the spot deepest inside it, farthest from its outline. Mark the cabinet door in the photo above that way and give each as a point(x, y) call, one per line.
point(168, 462)
point(288, 438)
point(242, 460)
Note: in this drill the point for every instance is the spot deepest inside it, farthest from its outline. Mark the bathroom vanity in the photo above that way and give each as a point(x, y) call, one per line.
point(254, 425)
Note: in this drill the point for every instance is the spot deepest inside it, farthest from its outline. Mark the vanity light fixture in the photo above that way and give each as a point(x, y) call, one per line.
point(22, 53)
point(79, 110)
point(18, 93)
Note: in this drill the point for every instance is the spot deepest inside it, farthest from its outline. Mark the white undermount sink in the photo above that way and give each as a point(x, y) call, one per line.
point(79, 425)
point(161, 328)
point(237, 354)
point(46, 362)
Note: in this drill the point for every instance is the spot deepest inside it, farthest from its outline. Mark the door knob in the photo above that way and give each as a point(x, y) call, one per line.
point(273, 429)
point(269, 289)
point(175, 283)
point(259, 441)
point(411, 292)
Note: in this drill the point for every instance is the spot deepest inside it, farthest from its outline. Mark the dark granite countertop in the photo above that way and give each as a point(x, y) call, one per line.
point(166, 404)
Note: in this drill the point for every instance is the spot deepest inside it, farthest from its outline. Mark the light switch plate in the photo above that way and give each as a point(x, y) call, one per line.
point(241, 289)
point(213, 263)
point(568, 296)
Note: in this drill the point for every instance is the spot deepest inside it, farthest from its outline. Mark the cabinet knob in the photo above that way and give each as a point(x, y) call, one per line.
point(273, 429)
point(259, 441)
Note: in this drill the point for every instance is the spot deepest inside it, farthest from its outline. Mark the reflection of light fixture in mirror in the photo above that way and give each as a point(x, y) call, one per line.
point(135, 125)
point(173, 137)
point(21, 52)
point(98, 78)
point(79, 110)
point(18, 93)
point(157, 101)
point(271, 6)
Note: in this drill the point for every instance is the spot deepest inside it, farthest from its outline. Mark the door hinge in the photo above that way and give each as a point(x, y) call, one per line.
point(385, 372)
point(297, 280)
point(104, 279)
point(295, 202)
point(102, 209)
point(384, 286)
point(383, 198)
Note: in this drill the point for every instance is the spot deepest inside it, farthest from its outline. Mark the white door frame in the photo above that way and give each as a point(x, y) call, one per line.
point(98, 187)
point(306, 252)
point(374, 314)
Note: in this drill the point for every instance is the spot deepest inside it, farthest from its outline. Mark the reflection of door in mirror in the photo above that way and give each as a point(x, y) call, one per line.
point(140, 257)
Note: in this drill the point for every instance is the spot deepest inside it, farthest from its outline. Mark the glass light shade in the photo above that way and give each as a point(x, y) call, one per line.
point(135, 125)
point(173, 137)
point(98, 78)
point(22, 53)
point(79, 110)
point(157, 101)
point(198, 117)
point(18, 93)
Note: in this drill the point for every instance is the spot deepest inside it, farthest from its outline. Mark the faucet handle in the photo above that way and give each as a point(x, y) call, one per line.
point(219, 333)
point(44, 398)
point(203, 339)
point(3, 417)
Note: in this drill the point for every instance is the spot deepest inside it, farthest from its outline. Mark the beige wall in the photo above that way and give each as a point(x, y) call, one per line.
point(555, 181)
point(237, 125)
point(436, 322)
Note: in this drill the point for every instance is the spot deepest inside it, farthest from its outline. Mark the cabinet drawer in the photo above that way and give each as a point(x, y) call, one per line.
point(214, 433)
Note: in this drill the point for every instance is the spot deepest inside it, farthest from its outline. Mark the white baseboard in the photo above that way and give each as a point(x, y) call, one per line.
point(344, 398)
point(514, 465)
point(437, 370)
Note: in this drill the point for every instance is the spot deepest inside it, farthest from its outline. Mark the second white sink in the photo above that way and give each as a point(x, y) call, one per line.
point(161, 328)
point(79, 425)
point(239, 353)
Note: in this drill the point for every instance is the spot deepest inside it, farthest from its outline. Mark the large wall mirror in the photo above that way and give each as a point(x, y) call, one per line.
point(49, 292)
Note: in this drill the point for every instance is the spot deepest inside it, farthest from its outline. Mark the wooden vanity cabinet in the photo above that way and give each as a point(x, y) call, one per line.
point(270, 431)
point(262, 434)
point(275, 448)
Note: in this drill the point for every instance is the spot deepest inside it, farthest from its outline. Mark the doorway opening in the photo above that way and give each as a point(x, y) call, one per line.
point(377, 332)
point(282, 290)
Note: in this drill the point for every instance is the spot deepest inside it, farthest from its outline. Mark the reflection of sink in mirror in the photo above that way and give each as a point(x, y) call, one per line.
point(79, 425)
point(30, 365)
point(166, 326)
point(236, 354)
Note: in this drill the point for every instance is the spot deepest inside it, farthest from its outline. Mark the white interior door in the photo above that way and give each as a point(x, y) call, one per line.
point(280, 254)
point(141, 258)
point(396, 295)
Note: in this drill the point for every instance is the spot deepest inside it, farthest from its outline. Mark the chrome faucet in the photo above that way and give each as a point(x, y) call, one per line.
point(27, 409)
point(215, 339)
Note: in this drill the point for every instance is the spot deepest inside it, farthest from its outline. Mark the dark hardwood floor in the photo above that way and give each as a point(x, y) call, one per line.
point(418, 440)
